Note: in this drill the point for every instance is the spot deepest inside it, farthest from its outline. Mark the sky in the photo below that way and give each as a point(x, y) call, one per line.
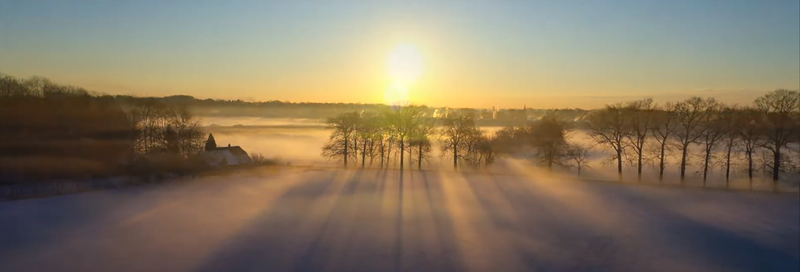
point(507, 53)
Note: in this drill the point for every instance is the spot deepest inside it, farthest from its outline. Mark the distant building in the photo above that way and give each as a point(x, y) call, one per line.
point(225, 156)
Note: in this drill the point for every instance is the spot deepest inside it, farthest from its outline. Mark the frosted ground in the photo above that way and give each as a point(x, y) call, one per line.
point(325, 219)
point(320, 218)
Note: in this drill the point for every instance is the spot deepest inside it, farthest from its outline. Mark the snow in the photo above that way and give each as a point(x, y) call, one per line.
point(298, 219)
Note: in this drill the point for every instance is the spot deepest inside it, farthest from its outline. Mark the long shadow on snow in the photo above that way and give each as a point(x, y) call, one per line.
point(265, 242)
point(448, 257)
point(531, 216)
point(729, 251)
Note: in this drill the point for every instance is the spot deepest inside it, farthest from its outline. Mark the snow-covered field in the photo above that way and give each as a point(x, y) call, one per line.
point(307, 219)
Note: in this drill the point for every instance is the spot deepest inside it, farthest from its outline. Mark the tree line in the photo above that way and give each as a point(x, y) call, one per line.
point(52, 131)
point(391, 136)
point(404, 135)
point(637, 133)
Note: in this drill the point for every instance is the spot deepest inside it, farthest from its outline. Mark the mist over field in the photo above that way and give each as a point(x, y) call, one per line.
point(299, 141)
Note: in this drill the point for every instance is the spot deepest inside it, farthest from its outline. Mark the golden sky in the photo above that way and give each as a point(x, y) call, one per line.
point(459, 54)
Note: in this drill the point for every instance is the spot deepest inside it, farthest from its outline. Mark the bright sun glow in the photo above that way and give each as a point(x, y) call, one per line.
point(405, 67)
point(405, 64)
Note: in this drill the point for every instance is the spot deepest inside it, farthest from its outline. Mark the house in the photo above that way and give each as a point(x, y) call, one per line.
point(225, 156)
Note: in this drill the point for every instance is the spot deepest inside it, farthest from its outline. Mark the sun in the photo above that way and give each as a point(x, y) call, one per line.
point(405, 64)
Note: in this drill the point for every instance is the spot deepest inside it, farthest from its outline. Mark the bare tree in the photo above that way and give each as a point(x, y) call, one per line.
point(161, 127)
point(340, 141)
point(486, 151)
point(608, 127)
point(365, 130)
point(190, 132)
point(403, 121)
point(749, 133)
point(578, 156)
point(455, 132)
point(713, 129)
point(690, 114)
point(728, 119)
point(777, 108)
point(663, 128)
point(548, 136)
point(420, 141)
point(639, 120)
point(478, 150)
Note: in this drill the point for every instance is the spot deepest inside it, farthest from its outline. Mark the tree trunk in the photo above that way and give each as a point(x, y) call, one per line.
point(683, 163)
point(705, 165)
point(355, 150)
point(619, 164)
point(419, 159)
point(776, 167)
point(750, 167)
point(363, 154)
point(402, 153)
point(639, 170)
point(346, 143)
point(389, 154)
point(661, 162)
point(372, 152)
point(382, 152)
point(728, 166)
point(455, 157)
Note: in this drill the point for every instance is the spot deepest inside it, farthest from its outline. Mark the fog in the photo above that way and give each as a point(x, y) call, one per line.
point(317, 216)
point(523, 218)
point(299, 142)
point(296, 141)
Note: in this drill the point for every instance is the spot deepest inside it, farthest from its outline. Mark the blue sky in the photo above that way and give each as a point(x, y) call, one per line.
point(477, 53)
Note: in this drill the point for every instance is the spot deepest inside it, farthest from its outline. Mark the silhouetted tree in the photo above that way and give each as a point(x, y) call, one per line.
point(403, 121)
point(690, 114)
point(190, 132)
point(548, 136)
point(663, 128)
point(419, 141)
point(211, 144)
point(478, 150)
point(455, 133)
point(165, 127)
point(777, 108)
point(729, 125)
point(577, 156)
point(750, 134)
point(639, 117)
point(486, 151)
point(340, 141)
point(713, 130)
point(608, 127)
point(171, 140)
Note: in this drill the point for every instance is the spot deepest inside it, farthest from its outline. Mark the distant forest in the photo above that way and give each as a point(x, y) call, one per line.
point(51, 131)
point(312, 110)
point(321, 111)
